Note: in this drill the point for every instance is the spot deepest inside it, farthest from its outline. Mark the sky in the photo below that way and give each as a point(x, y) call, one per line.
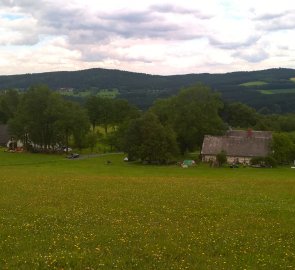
point(149, 36)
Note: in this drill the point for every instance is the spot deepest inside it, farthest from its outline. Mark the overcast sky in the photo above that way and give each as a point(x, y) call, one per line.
point(156, 37)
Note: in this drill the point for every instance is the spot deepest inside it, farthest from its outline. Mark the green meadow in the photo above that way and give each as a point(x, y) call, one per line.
point(254, 83)
point(84, 214)
point(277, 91)
point(104, 93)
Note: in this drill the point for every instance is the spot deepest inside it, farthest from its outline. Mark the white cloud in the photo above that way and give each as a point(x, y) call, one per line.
point(17, 30)
point(166, 38)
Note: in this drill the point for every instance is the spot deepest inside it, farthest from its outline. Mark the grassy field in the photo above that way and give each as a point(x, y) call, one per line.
point(277, 91)
point(84, 214)
point(108, 93)
point(104, 93)
point(254, 83)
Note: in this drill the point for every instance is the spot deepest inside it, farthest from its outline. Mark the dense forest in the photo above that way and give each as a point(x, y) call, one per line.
point(268, 91)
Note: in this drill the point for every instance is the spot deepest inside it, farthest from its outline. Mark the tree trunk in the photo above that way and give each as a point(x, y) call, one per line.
point(67, 141)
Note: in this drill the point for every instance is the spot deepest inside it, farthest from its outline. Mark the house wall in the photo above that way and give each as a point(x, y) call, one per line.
point(230, 159)
point(207, 158)
point(17, 144)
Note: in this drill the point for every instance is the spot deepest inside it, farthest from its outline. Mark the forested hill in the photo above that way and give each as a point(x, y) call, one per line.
point(271, 90)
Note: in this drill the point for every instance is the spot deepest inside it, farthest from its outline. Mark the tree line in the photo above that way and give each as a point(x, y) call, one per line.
point(43, 119)
point(143, 89)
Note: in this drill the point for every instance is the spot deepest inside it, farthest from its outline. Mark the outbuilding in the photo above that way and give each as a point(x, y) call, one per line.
point(240, 146)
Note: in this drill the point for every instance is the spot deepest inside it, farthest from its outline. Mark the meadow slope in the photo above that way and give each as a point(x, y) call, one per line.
point(84, 214)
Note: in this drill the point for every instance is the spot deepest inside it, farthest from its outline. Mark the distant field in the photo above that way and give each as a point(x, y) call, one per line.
point(277, 91)
point(254, 83)
point(108, 93)
point(292, 79)
point(105, 93)
point(84, 214)
point(80, 94)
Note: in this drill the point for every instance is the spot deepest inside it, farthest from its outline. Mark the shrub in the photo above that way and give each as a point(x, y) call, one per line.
point(256, 160)
point(221, 158)
point(270, 161)
point(264, 161)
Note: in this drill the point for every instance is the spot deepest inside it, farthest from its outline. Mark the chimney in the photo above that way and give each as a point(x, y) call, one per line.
point(249, 133)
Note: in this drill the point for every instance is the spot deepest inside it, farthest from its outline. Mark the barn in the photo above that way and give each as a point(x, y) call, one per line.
point(239, 145)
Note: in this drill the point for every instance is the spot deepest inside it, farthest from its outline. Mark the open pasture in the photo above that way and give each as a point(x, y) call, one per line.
point(85, 214)
point(254, 83)
point(277, 91)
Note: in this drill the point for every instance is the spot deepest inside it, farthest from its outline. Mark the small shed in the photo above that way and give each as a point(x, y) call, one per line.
point(239, 146)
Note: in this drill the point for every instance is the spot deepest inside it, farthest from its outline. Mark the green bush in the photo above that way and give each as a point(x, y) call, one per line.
point(264, 161)
point(270, 161)
point(221, 158)
point(256, 160)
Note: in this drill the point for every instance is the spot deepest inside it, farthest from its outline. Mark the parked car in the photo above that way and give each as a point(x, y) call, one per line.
point(73, 155)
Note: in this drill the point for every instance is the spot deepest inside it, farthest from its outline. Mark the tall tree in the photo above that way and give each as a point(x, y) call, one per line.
point(109, 112)
point(92, 110)
point(193, 113)
point(8, 105)
point(100, 111)
point(36, 114)
point(43, 118)
point(123, 110)
point(239, 115)
point(74, 122)
point(148, 140)
point(283, 148)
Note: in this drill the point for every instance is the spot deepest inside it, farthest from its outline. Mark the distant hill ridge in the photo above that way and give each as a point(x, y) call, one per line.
point(271, 89)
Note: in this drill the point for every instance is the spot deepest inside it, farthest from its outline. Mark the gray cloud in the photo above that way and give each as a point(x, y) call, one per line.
point(279, 25)
point(28, 39)
point(30, 4)
point(5, 3)
point(167, 8)
point(87, 32)
point(81, 28)
point(276, 22)
point(267, 17)
point(77, 24)
point(252, 56)
point(233, 45)
point(94, 54)
point(130, 17)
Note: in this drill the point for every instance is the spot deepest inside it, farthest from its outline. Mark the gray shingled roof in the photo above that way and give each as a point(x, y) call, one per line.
point(238, 144)
point(4, 135)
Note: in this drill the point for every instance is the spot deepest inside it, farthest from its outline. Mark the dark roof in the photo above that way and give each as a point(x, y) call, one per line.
point(4, 135)
point(238, 144)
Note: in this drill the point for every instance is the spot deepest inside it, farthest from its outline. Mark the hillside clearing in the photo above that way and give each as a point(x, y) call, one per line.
point(277, 91)
point(254, 83)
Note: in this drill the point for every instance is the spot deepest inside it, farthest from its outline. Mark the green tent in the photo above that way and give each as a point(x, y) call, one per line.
point(188, 162)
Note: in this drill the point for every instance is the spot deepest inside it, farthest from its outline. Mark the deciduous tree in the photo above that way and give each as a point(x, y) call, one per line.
point(43, 118)
point(148, 140)
point(191, 114)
